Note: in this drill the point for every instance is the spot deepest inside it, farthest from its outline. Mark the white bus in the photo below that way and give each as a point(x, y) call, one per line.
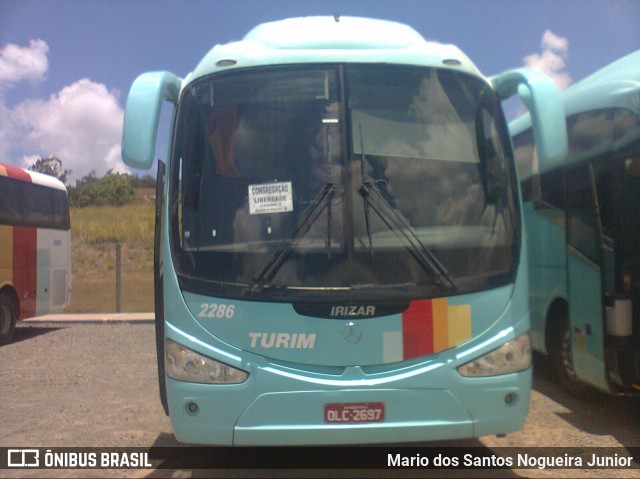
point(35, 240)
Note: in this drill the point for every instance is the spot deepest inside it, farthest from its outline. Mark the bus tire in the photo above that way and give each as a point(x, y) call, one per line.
point(561, 358)
point(8, 317)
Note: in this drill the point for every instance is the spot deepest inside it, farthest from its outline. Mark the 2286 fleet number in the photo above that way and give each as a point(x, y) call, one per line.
point(214, 310)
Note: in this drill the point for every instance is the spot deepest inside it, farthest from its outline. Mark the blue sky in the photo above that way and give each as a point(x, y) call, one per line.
point(66, 65)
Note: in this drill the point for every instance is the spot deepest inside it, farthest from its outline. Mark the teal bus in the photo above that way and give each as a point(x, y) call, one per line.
point(583, 227)
point(339, 244)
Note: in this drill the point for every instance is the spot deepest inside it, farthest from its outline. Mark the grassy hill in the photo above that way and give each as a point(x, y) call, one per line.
point(95, 230)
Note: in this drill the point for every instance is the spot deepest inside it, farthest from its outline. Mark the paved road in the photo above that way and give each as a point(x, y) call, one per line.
point(91, 381)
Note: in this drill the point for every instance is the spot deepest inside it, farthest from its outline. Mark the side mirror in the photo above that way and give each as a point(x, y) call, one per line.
point(142, 114)
point(546, 111)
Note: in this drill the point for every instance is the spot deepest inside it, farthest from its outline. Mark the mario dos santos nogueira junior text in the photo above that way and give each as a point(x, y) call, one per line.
point(566, 461)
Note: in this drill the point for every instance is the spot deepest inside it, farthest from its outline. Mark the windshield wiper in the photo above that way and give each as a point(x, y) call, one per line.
point(404, 231)
point(400, 227)
point(277, 259)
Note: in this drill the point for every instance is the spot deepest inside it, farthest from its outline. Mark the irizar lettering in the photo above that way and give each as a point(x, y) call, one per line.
point(369, 310)
point(282, 340)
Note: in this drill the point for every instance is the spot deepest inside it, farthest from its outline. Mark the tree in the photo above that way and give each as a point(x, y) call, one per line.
point(117, 188)
point(52, 166)
point(112, 189)
point(147, 181)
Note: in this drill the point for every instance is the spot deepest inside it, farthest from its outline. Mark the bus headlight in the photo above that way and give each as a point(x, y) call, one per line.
point(183, 364)
point(512, 356)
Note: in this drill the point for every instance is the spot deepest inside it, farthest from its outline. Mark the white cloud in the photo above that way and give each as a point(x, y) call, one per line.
point(24, 63)
point(551, 60)
point(81, 124)
point(551, 41)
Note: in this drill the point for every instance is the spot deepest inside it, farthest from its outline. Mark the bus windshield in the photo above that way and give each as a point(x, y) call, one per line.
point(342, 179)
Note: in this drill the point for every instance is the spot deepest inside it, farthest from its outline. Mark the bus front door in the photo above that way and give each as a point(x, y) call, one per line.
point(585, 279)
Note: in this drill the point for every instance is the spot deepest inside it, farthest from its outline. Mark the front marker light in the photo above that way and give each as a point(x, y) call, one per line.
point(183, 364)
point(511, 357)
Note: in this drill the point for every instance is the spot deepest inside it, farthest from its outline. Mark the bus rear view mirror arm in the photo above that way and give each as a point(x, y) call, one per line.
point(540, 95)
point(142, 115)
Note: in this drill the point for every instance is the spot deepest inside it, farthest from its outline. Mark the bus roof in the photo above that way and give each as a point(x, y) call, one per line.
point(31, 177)
point(330, 40)
point(615, 85)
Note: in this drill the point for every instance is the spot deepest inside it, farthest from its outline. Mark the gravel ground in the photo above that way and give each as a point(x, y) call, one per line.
point(85, 385)
point(69, 379)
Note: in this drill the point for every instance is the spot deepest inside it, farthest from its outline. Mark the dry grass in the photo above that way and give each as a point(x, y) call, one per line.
point(131, 224)
point(94, 234)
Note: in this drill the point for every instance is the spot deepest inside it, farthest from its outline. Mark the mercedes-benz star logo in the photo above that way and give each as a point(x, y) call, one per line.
point(351, 332)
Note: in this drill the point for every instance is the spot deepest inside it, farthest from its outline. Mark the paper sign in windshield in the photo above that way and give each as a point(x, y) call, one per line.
point(270, 198)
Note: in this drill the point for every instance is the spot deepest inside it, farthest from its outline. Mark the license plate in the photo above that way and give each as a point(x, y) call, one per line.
point(354, 412)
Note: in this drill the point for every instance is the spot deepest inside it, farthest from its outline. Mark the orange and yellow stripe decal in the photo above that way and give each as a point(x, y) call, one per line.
point(428, 326)
point(14, 172)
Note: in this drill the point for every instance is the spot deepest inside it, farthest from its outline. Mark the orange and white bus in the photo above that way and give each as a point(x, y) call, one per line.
point(35, 241)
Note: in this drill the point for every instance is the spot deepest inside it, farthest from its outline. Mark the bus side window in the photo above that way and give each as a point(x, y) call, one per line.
point(630, 199)
point(581, 214)
point(60, 209)
point(523, 150)
point(552, 188)
point(10, 194)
